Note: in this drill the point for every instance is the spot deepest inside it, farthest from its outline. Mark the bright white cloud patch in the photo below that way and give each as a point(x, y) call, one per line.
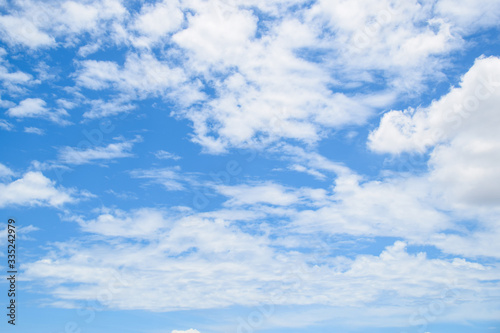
point(34, 189)
point(269, 193)
point(37, 108)
point(155, 21)
point(142, 223)
point(20, 30)
point(462, 127)
point(141, 74)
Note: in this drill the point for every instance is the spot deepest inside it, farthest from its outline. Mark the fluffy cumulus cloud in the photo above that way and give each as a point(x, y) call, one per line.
point(37, 108)
point(33, 189)
point(21, 30)
point(41, 25)
point(459, 129)
point(141, 74)
point(156, 21)
point(272, 73)
point(301, 87)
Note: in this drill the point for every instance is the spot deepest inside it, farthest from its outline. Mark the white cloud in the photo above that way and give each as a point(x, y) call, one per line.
point(140, 76)
point(171, 178)
point(268, 193)
point(273, 194)
point(286, 78)
point(141, 223)
point(13, 81)
point(165, 155)
point(21, 233)
point(34, 189)
point(392, 207)
point(81, 155)
point(5, 171)
point(310, 161)
point(34, 130)
point(20, 30)
point(472, 244)
point(257, 99)
point(155, 21)
point(38, 25)
point(100, 108)
point(36, 108)
point(187, 331)
point(469, 15)
point(185, 255)
point(402, 39)
point(312, 172)
point(5, 125)
point(462, 130)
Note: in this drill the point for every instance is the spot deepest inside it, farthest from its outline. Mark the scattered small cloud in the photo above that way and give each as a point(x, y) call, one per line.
point(165, 155)
point(34, 130)
point(78, 156)
point(36, 108)
point(5, 125)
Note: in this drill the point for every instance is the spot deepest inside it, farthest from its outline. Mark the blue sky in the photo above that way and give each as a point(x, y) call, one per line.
point(203, 166)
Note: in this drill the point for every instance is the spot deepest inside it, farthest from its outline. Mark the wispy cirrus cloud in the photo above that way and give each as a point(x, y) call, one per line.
point(165, 155)
point(34, 130)
point(78, 156)
point(171, 178)
point(5, 125)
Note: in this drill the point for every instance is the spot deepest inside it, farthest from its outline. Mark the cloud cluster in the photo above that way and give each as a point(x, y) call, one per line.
point(276, 77)
point(271, 76)
point(191, 268)
point(461, 132)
